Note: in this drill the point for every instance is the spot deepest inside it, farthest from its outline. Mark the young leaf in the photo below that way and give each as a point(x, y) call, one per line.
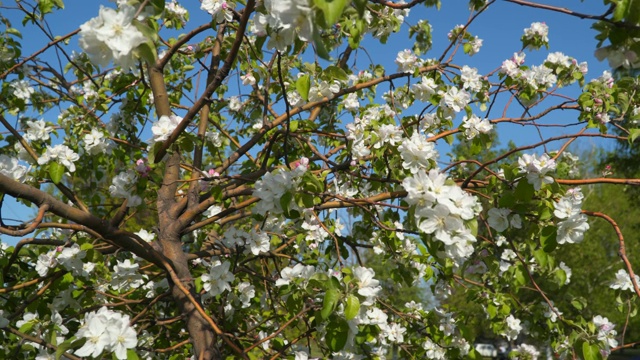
point(352, 307)
point(330, 302)
point(56, 171)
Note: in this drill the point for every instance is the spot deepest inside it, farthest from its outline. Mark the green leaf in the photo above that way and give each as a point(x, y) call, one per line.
point(158, 6)
point(620, 10)
point(524, 190)
point(541, 257)
point(590, 352)
point(56, 171)
point(334, 72)
point(14, 31)
point(131, 353)
point(303, 84)
point(285, 201)
point(321, 49)
point(548, 238)
point(519, 275)
point(332, 9)
point(147, 51)
point(337, 333)
point(329, 303)
point(361, 6)
point(352, 307)
point(633, 135)
point(72, 343)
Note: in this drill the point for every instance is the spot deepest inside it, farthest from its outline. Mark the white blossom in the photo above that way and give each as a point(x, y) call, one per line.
point(94, 142)
point(37, 131)
point(299, 271)
point(122, 186)
point(219, 9)
point(62, 154)
point(106, 330)
point(623, 281)
point(537, 30)
point(407, 61)
point(218, 279)
point(513, 328)
point(112, 36)
point(470, 78)
point(367, 285)
point(537, 168)
point(551, 313)
point(247, 292)
point(9, 167)
point(474, 126)
point(163, 128)
point(22, 89)
point(417, 152)
point(351, 102)
point(455, 99)
point(126, 276)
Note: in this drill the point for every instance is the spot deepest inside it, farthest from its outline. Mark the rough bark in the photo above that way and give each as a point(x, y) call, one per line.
point(202, 335)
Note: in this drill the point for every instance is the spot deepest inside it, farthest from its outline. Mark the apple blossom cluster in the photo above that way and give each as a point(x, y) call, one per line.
point(272, 187)
point(50, 325)
point(297, 274)
point(10, 167)
point(536, 169)
point(95, 142)
point(163, 128)
point(22, 89)
point(315, 231)
point(454, 99)
point(111, 36)
point(442, 210)
point(474, 126)
point(513, 328)
point(619, 56)
point(574, 223)
point(219, 9)
point(106, 330)
point(126, 276)
point(177, 11)
point(218, 279)
point(536, 36)
point(417, 153)
point(61, 154)
point(470, 78)
point(423, 90)
point(407, 61)
point(368, 287)
point(351, 102)
point(525, 351)
point(605, 333)
point(122, 185)
point(501, 219)
point(72, 259)
point(623, 281)
point(283, 22)
point(551, 312)
point(324, 89)
point(37, 131)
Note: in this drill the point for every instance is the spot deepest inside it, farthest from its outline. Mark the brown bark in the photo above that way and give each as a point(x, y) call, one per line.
point(202, 335)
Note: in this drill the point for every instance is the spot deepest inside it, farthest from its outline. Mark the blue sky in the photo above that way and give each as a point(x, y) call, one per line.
point(500, 27)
